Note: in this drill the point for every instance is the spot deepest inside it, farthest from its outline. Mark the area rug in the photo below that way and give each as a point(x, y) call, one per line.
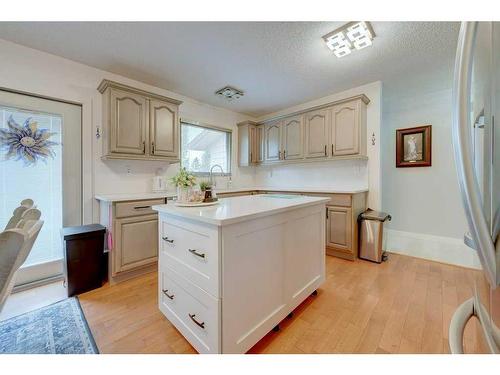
point(60, 328)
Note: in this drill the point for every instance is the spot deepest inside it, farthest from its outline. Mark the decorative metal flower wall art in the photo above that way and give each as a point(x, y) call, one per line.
point(26, 142)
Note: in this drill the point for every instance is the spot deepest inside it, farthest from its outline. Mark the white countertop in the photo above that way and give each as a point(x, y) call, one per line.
point(237, 209)
point(295, 190)
point(121, 197)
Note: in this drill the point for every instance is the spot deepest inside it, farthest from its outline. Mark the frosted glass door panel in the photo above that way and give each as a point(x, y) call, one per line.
point(41, 159)
point(41, 181)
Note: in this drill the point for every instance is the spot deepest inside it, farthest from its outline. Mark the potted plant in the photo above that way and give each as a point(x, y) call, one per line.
point(206, 187)
point(184, 181)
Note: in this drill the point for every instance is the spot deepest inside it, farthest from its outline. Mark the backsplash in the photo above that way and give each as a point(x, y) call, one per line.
point(341, 174)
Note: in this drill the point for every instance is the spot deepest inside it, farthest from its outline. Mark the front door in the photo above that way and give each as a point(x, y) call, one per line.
point(41, 159)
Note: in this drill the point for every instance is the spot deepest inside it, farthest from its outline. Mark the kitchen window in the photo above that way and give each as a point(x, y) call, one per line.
point(203, 146)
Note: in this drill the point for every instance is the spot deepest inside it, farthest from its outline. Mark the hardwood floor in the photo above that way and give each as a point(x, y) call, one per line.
point(401, 306)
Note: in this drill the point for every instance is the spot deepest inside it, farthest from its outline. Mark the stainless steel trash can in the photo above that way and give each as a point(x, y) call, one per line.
point(371, 234)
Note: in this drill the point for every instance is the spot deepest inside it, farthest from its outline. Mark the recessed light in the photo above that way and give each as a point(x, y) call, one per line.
point(354, 35)
point(229, 93)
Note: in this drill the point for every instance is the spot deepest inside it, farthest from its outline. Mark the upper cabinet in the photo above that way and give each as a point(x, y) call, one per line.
point(128, 123)
point(249, 147)
point(259, 143)
point(164, 128)
point(316, 133)
point(293, 138)
point(138, 124)
point(345, 128)
point(272, 141)
point(328, 132)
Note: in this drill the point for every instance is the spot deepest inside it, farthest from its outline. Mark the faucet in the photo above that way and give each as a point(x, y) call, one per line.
point(212, 179)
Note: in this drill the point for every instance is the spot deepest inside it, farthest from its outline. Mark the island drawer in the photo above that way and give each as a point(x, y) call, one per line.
point(136, 208)
point(193, 251)
point(193, 312)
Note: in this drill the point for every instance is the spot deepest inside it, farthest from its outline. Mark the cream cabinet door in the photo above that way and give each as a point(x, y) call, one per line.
point(292, 138)
point(316, 134)
point(339, 228)
point(259, 143)
point(272, 141)
point(136, 242)
point(346, 129)
point(164, 129)
point(253, 144)
point(128, 123)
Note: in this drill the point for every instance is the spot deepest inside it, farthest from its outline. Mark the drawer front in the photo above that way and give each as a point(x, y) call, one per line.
point(193, 251)
point(193, 312)
point(342, 200)
point(135, 208)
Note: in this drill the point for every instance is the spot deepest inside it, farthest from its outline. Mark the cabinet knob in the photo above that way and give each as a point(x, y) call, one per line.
point(167, 240)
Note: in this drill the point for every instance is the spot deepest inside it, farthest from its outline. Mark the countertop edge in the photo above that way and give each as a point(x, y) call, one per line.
point(109, 198)
point(235, 220)
point(122, 197)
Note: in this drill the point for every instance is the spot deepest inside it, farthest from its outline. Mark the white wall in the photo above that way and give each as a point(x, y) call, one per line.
point(40, 73)
point(427, 215)
point(343, 174)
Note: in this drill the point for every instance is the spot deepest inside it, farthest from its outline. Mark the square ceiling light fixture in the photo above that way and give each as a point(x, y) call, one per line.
point(354, 35)
point(229, 93)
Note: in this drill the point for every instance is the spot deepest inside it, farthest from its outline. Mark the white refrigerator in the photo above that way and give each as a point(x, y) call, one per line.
point(476, 142)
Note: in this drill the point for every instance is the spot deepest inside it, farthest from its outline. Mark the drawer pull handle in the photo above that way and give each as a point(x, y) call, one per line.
point(194, 252)
point(166, 239)
point(201, 325)
point(141, 207)
point(170, 296)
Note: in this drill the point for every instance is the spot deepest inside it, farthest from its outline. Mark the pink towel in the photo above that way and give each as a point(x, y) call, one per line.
point(110, 230)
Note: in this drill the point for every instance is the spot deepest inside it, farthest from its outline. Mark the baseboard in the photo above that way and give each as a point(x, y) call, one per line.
point(41, 271)
point(36, 284)
point(441, 249)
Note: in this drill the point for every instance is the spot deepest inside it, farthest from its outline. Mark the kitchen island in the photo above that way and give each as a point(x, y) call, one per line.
point(229, 273)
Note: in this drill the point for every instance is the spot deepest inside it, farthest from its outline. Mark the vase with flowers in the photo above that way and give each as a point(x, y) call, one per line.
point(184, 181)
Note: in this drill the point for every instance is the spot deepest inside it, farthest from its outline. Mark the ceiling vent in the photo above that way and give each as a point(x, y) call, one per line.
point(229, 93)
point(354, 35)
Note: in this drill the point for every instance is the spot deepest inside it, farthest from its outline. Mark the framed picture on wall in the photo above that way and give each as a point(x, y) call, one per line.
point(414, 147)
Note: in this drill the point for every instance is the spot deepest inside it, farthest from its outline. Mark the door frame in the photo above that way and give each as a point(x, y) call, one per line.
point(90, 207)
point(34, 275)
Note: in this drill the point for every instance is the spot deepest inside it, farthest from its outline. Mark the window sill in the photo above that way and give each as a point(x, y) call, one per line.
point(207, 174)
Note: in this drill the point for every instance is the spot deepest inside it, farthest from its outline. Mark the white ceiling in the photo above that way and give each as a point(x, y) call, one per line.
point(276, 64)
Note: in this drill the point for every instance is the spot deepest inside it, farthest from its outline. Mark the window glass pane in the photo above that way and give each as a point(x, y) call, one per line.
point(41, 182)
point(202, 148)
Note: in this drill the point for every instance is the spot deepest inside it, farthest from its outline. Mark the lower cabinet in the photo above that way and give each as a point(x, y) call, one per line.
point(132, 229)
point(339, 230)
point(136, 240)
point(342, 225)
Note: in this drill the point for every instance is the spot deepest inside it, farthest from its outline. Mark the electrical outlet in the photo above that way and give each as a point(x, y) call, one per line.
point(129, 171)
